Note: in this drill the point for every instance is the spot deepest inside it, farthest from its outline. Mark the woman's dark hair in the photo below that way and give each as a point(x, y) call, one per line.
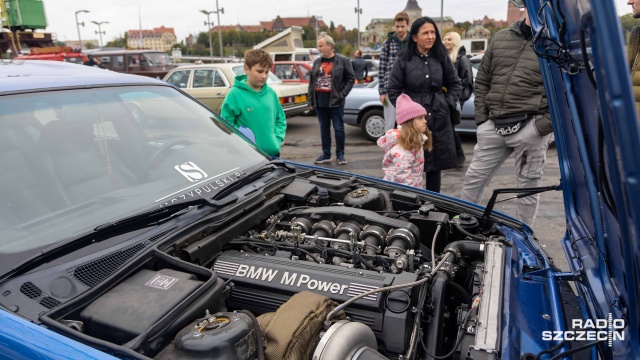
point(438, 50)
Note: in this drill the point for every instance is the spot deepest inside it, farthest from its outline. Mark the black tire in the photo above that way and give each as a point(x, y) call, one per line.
point(372, 124)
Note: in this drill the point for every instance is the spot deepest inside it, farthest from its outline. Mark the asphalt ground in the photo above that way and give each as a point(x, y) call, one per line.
point(302, 144)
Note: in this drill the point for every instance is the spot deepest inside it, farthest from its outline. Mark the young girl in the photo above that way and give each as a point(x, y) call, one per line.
point(403, 162)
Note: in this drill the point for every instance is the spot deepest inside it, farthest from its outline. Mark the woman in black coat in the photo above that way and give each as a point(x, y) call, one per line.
point(458, 54)
point(425, 72)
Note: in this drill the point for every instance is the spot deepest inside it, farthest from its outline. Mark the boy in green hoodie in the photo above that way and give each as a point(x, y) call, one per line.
point(255, 105)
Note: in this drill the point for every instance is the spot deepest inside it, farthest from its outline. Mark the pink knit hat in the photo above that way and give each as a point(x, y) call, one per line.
point(407, 109)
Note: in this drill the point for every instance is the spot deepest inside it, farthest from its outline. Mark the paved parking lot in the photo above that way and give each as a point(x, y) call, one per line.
point(302, 144)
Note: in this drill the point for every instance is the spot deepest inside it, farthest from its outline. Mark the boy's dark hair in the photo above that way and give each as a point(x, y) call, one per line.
point(401, 16)
point(257, 57)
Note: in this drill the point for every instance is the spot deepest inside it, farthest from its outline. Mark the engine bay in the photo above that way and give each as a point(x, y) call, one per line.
point(356, 271)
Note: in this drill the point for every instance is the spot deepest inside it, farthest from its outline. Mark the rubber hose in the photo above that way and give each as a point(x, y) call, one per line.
point(256, 329)
point(465, 232)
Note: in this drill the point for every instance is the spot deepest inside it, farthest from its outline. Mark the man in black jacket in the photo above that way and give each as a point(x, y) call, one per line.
point(331, 81)
point(512, 114)
point(360, 67)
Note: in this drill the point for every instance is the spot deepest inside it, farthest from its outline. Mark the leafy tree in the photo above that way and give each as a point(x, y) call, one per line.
point(347, 50)
point(332, 27)
point(119, 42)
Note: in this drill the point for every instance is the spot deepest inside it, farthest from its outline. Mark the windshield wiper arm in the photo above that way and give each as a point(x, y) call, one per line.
point(522, 192)
point(252, 176)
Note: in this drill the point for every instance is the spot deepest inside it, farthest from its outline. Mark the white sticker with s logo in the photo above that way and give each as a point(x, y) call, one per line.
point(191, 171)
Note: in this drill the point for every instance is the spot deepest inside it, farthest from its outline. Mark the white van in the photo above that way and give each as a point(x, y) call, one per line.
point(299, 54)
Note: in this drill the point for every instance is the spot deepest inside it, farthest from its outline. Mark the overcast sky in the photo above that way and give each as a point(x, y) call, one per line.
point(185, 18)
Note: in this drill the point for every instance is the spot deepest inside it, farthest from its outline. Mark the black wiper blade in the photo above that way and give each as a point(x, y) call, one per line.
point(252, 176)
point(152, 217)
point(170, 210)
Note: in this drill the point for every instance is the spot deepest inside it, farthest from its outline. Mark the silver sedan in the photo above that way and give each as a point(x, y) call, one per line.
point(363, 108)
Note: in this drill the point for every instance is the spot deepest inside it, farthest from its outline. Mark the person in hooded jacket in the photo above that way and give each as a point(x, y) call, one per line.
point(253, 104)
point(458, 55)
point(427, 75)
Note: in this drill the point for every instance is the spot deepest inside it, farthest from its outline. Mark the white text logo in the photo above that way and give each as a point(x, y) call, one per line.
point(608, 330)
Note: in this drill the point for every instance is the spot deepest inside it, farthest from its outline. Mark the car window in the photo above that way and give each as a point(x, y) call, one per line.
point(286, 71)
point(180, 78)
point(306, 74)
point(372, 66)
point(203, 78)
point(207, 78)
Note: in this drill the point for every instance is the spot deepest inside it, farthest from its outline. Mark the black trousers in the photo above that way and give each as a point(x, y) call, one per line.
point(434, 180)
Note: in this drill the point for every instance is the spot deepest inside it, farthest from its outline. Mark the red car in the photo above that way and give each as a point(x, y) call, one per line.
point(292, 71)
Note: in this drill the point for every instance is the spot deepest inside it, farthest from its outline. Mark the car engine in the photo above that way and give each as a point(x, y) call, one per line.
point(353, 270)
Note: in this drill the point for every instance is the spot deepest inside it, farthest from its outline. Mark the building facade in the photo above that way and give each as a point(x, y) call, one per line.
point(413, 10)
point(161, 38)
point(376, 32)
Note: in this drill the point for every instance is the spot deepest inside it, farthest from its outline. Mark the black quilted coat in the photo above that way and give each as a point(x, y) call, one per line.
point(423, 79)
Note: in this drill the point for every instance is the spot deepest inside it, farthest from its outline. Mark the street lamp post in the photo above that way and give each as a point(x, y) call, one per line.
point(318, 18)
point(358, 11)
point(78, 25)
point(208, 23)
point(99, 23)
point(218, 11)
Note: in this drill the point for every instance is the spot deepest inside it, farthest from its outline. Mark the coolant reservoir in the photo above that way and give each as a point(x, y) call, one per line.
point(365, 198)
point(221, 336)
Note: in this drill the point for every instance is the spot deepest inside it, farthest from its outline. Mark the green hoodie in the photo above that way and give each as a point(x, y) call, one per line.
point(402, 44)
point(260, 111)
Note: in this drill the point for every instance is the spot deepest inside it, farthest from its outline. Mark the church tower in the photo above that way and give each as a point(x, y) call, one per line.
point(413, 10)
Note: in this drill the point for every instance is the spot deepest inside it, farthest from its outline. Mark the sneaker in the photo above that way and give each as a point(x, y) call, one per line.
point(323, 159)
point(342, 161)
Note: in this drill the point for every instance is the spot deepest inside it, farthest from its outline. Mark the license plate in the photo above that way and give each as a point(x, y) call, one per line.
point(301, 98)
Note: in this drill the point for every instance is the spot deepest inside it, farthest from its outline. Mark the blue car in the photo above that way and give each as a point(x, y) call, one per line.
point(137, 224)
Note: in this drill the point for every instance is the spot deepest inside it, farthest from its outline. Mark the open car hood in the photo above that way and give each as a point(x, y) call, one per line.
point(587, 81)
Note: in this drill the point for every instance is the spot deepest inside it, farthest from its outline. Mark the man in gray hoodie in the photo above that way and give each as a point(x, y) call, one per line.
point(396, 42)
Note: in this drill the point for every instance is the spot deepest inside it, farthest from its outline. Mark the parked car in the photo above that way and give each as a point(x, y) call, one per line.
point(162, 233)
point(475, 61)
point(152, 63)
point(209, 83)
point(373, 66)
point(363, 108)
point(292, 71)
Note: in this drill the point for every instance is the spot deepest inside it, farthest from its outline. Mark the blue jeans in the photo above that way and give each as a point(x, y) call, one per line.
point(326, 116)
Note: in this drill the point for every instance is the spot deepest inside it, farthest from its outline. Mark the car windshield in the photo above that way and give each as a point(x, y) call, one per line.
point(75, 159)
point(272, 78)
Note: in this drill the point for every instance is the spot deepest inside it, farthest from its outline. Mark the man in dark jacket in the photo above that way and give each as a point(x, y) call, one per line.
point(396, 42)
point(512, 116)
point(359, 67)
point(330, 82)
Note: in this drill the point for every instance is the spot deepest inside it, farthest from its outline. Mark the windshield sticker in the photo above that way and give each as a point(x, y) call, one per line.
point(223, 180)
point(162, 282)
point(191, 171)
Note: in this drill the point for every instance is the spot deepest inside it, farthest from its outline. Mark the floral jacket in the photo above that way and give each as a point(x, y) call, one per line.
point(399, 165)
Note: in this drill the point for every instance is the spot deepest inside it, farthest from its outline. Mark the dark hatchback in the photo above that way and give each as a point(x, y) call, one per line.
point(137, 224)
